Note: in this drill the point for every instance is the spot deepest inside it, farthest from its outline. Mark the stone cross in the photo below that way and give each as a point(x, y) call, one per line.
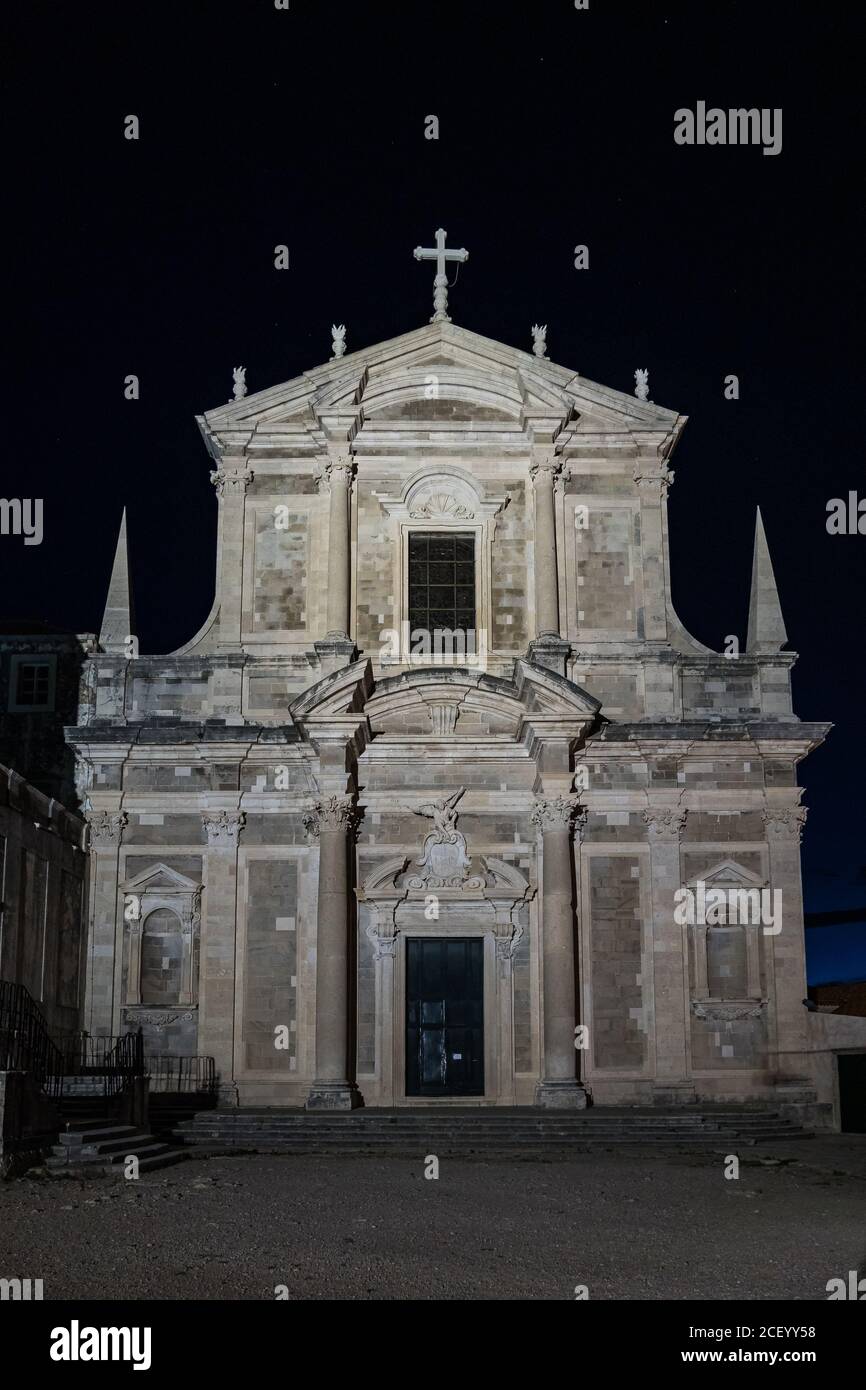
point(440, 283)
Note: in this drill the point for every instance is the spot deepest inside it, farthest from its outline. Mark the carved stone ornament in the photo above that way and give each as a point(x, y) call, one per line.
point(223, 828)
point(331, 813)
point(441, 507)
point(665, 823)
point(723, 1012)
point(339, 471)
point(231, 481)
point(156, 1021)
point(106, 828)
point(785, 823)
point(445, 862)
point(558, 813)
point(662, 478)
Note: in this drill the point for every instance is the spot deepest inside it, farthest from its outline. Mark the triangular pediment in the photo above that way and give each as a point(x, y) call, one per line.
point(459, 375)
point(160, 878)
point(727, 873)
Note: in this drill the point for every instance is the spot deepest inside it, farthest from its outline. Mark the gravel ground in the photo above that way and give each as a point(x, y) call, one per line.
point(640, 1226)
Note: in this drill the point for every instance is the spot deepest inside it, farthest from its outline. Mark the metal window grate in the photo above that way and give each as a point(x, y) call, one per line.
point(441, 581)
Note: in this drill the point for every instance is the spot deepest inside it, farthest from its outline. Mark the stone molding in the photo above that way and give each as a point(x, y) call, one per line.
point(106, 828)
point(664, 824)
point(223, 828)
point(785, 823)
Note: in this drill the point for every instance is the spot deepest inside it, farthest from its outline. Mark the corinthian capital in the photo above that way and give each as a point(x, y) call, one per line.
point(331, 813)
point(544, 468)
point(339, 470)
point(231, 481)
point(785, 822)
point(223, 828)
point(106, 828)
point(664, 823)
point(558, 813)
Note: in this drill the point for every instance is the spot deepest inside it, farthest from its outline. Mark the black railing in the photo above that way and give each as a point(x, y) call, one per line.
point(25, 1043)
point(181, 1075)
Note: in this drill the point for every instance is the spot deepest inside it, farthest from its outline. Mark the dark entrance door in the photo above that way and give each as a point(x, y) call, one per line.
point(444, 1016)
point(852, 1092)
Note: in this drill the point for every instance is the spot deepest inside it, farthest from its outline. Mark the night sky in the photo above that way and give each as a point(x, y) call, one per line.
point(261, 127)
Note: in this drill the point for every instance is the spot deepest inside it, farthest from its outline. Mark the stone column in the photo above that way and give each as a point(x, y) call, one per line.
point(558, 1087)
point(339, 476)
point(672, 1084)
point(784, 828)
point(231, 481)
point(333, 822)
point(543, 474)
point(105, 942)
point(653, 482)
point(217, 1008)
point(548, 647)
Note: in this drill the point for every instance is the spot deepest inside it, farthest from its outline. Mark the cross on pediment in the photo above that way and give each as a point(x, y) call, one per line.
point(439, 254)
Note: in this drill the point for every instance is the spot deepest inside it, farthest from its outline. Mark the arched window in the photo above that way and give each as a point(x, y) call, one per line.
point(727, 964)
point(161, 958)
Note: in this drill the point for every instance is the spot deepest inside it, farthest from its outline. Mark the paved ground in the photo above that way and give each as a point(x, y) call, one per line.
point(644, 1226)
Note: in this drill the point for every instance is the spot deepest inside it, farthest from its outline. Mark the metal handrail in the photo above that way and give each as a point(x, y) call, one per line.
point(181, 1075)
point(25, 1043)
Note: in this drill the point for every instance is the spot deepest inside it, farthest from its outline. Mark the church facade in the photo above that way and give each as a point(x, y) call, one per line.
point(413, 818)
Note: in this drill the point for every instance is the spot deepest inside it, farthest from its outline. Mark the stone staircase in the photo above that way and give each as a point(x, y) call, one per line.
point(481, 1132)
point(101, 1142)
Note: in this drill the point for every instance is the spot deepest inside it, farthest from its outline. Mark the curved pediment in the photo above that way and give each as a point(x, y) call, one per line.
point(450, 701)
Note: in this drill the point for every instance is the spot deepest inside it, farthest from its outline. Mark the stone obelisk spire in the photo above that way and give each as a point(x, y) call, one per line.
point(766, 624)
point(118, 618)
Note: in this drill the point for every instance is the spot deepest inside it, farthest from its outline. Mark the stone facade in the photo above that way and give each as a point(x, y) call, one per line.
point(261, 787)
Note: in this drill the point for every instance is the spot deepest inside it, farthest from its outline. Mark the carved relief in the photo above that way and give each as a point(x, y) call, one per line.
point(331, 813)
point(558, 813)
point(441, 507)
point(106, 828)
point(233, 481)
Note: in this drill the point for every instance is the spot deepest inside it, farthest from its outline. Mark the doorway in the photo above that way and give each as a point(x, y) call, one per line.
point(445, 1016)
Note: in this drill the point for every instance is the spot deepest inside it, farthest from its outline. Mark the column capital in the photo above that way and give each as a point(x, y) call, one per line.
point(664, 823)
point(658, 478)
point(340, 470)
point(784, 822)
point(232, 482)
point(545, 467)
point(558, 813)
point(223, 828)
point(106, 828)
point(331, 813)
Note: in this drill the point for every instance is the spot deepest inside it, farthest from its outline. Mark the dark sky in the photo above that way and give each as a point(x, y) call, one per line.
point(306, 127)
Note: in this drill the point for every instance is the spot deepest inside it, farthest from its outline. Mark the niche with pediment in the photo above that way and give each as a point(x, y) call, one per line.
point(727, 956)
point(162, 917)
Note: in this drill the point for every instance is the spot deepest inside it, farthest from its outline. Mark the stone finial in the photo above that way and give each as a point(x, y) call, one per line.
point(539, 339)
point(641, 388)
point(766, 625)
point(118, 616)
point(239, 376)
point(338, 339)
